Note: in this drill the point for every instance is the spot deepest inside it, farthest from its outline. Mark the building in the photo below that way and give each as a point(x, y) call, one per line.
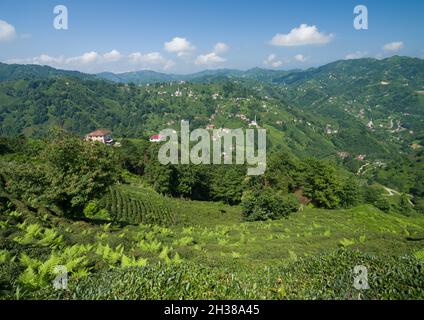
point(370, 125)
point(101, 135)
point(343, 154)
point(155, 138)
point(254, 123)
point(361, 157)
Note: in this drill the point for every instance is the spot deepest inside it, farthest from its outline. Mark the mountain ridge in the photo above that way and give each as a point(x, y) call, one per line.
point(31, 71)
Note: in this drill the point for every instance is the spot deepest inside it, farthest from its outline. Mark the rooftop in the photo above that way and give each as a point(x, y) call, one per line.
point(99, 133)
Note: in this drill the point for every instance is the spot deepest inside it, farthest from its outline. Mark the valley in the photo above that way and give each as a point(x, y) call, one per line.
point(343, 185)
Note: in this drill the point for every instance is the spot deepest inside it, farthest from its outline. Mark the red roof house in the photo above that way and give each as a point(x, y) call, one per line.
point(155, 138)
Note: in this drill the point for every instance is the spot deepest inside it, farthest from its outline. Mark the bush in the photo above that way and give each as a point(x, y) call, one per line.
point(92, 211)
point(383, 204)
point(419, 205)
point(405, 207)
point(268, 205)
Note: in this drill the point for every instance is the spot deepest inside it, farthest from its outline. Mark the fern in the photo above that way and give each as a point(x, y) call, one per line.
point(164, 255)
point(420, 255)
point(5, 257)
point(132, 262)
point(177, 259)
point(110, 256)
point(183, 242)
point(152, 246)
point(39, 274)
point(49, 237)
point(36, 234)
point(32, 231)
point(346, 242)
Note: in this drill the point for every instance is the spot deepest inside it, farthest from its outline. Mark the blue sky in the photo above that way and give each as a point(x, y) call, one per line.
point(191, 35)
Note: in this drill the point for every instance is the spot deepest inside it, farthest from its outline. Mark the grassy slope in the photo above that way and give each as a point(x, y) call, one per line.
point(225, 239)
point(214, 239)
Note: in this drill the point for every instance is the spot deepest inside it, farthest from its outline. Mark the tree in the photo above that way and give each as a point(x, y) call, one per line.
point(163, 178)
point(321, 183)
point(132, 156)
point(405, 207)
point(227, 183)
point(77, 171)
point(350, 195)
point(268, 205)
point(383, 204)
point(193, 182)
point(371, 194)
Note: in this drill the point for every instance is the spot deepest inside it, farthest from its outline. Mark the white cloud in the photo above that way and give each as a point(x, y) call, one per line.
point(179, 46)
point(42, 59)
point(210, 58)
point(273, 61)
point(86, 58)
point(45, 59)
point(7, 31)
point(356, 55)
point(300, 58)
point(213, 57)
point(153, 58)
point(220, 47)
point(304, 35)
point(393, 46)
point(112, 56)
point(91, 61)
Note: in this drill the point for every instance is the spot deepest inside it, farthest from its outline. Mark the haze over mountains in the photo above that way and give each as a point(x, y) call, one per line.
point(393, 67)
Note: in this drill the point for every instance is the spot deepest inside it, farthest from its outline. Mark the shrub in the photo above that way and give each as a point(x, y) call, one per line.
point(419, 205)
point(268, 205)
point(405, 207)
point(92, 211)
point(383, 204)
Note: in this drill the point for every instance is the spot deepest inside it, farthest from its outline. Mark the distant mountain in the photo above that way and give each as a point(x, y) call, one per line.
point(360, 71)
point(147, 76)
point(361, 100)
point(347, 72)
point(139, 77)
point(18, 72)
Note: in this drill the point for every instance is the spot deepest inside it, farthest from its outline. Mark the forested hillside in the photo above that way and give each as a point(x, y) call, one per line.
point(366, 109)
point(344, 183)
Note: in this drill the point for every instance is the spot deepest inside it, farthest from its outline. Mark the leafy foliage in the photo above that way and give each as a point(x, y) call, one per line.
point(267, 204)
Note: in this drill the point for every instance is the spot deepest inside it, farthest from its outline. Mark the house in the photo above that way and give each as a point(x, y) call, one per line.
point(155, 138)
point(101, 135)
point(343, 154)
point(178, 93)
point(361, 157)
point(254, 123)
point(210, 127)
point(330, 130)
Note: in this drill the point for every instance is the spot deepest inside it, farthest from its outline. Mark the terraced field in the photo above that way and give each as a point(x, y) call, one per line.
point(137, 207)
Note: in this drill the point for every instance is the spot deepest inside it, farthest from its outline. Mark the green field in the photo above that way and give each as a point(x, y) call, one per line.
point(208, 251)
